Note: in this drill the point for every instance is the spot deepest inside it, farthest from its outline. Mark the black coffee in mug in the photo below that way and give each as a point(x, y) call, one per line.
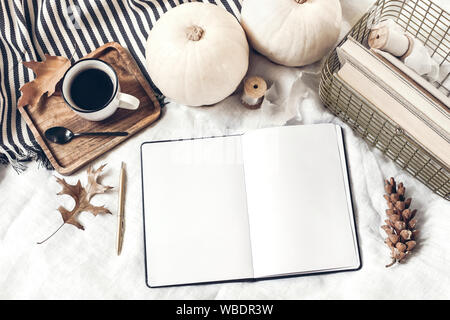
point(91, 89)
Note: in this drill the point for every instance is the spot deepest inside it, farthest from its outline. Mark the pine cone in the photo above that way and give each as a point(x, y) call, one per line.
point(401, 225)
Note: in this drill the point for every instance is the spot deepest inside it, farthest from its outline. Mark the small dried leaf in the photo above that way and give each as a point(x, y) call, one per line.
point(48, 73)
point(82, 197)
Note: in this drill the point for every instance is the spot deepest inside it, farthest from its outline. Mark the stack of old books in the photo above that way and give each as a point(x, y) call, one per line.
point(415, 105)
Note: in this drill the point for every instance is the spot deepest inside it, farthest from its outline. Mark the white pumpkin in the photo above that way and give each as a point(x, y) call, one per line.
point(292, 32)
point(197, 54)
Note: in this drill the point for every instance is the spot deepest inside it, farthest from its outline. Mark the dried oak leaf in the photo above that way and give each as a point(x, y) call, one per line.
point(48, 73)
point(82, 197)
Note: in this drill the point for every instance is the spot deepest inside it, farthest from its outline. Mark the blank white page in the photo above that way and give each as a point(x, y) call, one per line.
point(196, 221)
point(299, 206)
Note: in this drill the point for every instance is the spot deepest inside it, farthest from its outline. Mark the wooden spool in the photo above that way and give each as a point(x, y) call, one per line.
point(392, 41)
point(254, 91)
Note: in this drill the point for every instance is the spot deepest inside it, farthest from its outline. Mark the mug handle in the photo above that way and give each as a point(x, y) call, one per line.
point(127, 101)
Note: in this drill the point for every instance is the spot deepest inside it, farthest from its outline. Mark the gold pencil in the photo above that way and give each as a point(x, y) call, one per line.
point(120, 216)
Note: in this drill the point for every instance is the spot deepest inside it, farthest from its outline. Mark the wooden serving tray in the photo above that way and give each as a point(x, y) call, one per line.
point(53, 111)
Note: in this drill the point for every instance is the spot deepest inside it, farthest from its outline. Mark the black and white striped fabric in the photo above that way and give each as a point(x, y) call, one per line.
point(70, 28)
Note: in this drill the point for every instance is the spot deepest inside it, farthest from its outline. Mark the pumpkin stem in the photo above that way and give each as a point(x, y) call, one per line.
point(194, 33)
point(301, 1)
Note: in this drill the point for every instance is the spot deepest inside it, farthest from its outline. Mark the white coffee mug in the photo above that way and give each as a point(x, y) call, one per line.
point(117, 99)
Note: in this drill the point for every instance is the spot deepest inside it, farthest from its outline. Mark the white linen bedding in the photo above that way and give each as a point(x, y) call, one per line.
point(84, 265)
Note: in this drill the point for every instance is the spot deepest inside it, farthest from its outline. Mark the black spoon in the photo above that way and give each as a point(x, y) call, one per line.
point(63, 135)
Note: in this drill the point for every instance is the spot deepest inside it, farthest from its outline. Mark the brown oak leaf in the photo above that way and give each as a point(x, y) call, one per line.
point(48, 73)
point(81, 196)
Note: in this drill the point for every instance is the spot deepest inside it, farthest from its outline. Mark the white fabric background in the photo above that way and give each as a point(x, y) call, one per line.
point(83, 264)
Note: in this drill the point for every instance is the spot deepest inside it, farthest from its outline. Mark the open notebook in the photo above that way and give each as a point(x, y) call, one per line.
point(269, 203)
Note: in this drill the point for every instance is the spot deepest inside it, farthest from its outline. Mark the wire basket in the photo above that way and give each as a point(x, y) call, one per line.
point(427, 22)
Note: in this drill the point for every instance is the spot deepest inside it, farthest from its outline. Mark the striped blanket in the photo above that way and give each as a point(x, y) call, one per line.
point(71, 28)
